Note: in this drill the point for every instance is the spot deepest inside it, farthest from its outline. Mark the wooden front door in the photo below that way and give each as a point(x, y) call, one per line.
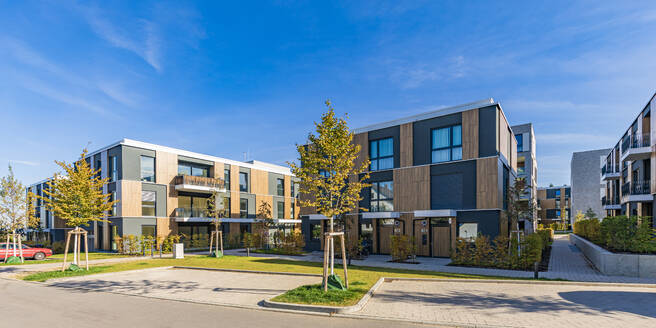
point(441, 241)
point(385, 238)
point(422, 238)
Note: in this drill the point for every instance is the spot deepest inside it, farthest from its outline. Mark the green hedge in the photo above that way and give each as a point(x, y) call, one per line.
point(619, 233)
point(502, 252)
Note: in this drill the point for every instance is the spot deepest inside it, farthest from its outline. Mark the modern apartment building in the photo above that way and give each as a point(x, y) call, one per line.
point(163, 191)
point(587, 186)
point(434, 176)
point(527, 168)
point(554, 205)
point(627, 171)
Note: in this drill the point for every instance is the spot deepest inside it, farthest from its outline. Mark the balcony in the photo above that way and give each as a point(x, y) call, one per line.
point(611, 203)
point(198, 184)
point(638, 191)
point(637, 147)
point(610, 172)
point(185, 212)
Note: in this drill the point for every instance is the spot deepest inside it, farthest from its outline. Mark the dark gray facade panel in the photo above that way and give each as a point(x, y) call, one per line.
point(160, 190)
point(194, 160)
point(378, 176)
point(421, 136)
point(118, 153)
point(487, 131)
point(395, 133)
point(488, 221)
point(453, 184)
point(131, 162)
point(96, 159)
point(111, 187)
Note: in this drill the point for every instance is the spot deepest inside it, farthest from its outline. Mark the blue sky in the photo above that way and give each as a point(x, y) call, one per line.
point(226, 79)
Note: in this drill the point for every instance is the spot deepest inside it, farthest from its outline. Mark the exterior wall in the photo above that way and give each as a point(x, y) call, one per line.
point(530, 171)
point(587, 187)
point(547, 204)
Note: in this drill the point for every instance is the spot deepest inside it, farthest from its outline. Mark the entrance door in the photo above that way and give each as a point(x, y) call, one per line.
point(385, 238)
point(422, 237)
point(441, 241)
point(100, 234)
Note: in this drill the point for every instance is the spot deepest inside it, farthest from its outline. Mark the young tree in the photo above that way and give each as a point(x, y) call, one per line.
point(76, 196)
point(330, 179)
point(16, 210)
point(590, 214)
point(519, 207)
point(265, 221)
point(216, 210)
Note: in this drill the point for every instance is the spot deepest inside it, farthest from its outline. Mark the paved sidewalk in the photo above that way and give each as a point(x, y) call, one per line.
point(503, 304)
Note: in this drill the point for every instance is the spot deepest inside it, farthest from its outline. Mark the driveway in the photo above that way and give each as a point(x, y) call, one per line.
point(202, 286)
point(499, 304)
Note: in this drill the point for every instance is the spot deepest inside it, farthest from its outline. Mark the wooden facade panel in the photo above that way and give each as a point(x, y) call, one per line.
point(412, 188)
point(470, 134)
point(166, 169)
point(487, 178)
point(288, 199)
point(362, 139)
point(652, 163)
point(406, 145)
point(129, 193)
point(259, 199)
point(218, 170)
point(234, 179)
point(165, 227)
point(234, 204)
point(259, 182)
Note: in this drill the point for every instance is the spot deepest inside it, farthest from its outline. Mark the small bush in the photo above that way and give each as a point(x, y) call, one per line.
point(502, 253)
point(402, 247)
point(619, 233)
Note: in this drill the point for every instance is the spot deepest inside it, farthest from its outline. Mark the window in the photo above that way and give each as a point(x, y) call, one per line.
point(315, 229)
point(112, 197)
point(292, 215)
point(113, 174)
point(280, 187)
point(147, 168)
point(148, 230)
point(293, 188)
point(243, 181)
point(446, 144)
point(468, 231)
point(192, 206)
point(558, 203)
point(281, 210)
point(557, 192)
point(558, 213)
point(243, 208)
point(196, 170)
point(226, 207)
point(521, 165)
point(520, 142)
point(148, 201)
point(98, 167)
point(226, 178)
point(381, 153)
point(382, 194)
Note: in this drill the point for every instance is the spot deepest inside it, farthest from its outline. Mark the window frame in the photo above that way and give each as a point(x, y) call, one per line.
point(226, 178)
point(378, 157)
point(153, 206)
point(243, 213)
point(245, 187)
point(451, 147)
point(520, 145)
point(141, 169)
point(379, 200)
point(280, 209)
point(113, 171)
point(280, 187)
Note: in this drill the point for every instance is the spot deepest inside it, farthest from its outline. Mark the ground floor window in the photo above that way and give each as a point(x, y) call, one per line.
point(194, 235)
point(148, 230)
point(468, 230)
point(315, 231)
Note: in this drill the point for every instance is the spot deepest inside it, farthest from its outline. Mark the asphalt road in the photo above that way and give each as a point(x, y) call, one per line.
point(28, 305)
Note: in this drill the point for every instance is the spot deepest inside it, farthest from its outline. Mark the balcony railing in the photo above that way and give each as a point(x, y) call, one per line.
point(610, 201)
point(607, 169)
point(185, 212)
point(191, 180)
point(636, 188)
point(636, 141)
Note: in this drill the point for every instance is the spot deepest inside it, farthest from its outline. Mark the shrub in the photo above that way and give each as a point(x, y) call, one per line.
point(500, 254)
point(58, 247)
point(462, 253)
point(619, 233)
point(546, 235)
point(401, 247)
point(504, 252)
point(482, 251)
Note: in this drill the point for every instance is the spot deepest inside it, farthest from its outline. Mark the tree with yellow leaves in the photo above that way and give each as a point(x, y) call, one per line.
point(16, 212)
point(216, 210)
point(331, 180)
point(76, 196)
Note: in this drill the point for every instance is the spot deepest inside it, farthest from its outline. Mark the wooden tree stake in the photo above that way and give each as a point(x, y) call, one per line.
point(68, 241)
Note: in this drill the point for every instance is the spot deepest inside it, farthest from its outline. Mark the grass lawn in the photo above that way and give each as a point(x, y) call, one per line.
point(60, 258)
point(361, 278)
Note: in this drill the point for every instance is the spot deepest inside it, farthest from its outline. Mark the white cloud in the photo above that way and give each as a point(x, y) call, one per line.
point(28, 163)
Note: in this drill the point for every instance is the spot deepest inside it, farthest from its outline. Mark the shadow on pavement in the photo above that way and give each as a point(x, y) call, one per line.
point(640, 303)
point(141, 287)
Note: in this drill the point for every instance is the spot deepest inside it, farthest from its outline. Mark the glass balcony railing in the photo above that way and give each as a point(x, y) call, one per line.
point(185, 212)
point(217, 183)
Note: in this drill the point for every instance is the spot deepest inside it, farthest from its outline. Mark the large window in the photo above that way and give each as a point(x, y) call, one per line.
point(196, 170)
point(148, 230)
point(98, 167)
point(226, 178)
point(192, 206)
point(243, 208)
point(520, 142)
point(293, 188)
point(226, 207)
point(113, 174)
point(381, 153)
point(112, 197)
point(292, 215)
point(243, 181)
point(148, 202)
point(148, 168)
point(521, 165)
point(281, 210)
point(446, 144)
point(382, 194)
point(280, 187)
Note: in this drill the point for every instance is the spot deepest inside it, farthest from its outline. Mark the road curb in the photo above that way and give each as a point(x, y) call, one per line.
point(526, 282)
point(247, 271)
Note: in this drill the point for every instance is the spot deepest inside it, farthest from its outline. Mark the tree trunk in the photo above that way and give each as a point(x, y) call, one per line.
point(75, 251)
point(13, 239)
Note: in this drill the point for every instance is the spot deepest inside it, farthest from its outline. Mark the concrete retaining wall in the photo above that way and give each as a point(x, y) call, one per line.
point(615, 264)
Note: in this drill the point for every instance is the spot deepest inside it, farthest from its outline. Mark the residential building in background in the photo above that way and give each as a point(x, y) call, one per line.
point(554, 205)
point(163, 191)
point(588, 189)
point(434, 176)
point(628, 170)
point(527, 168)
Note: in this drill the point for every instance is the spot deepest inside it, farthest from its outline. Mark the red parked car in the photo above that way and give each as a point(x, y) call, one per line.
point(35, 253)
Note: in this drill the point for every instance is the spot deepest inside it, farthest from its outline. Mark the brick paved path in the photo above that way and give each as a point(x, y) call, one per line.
point(502, 304)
